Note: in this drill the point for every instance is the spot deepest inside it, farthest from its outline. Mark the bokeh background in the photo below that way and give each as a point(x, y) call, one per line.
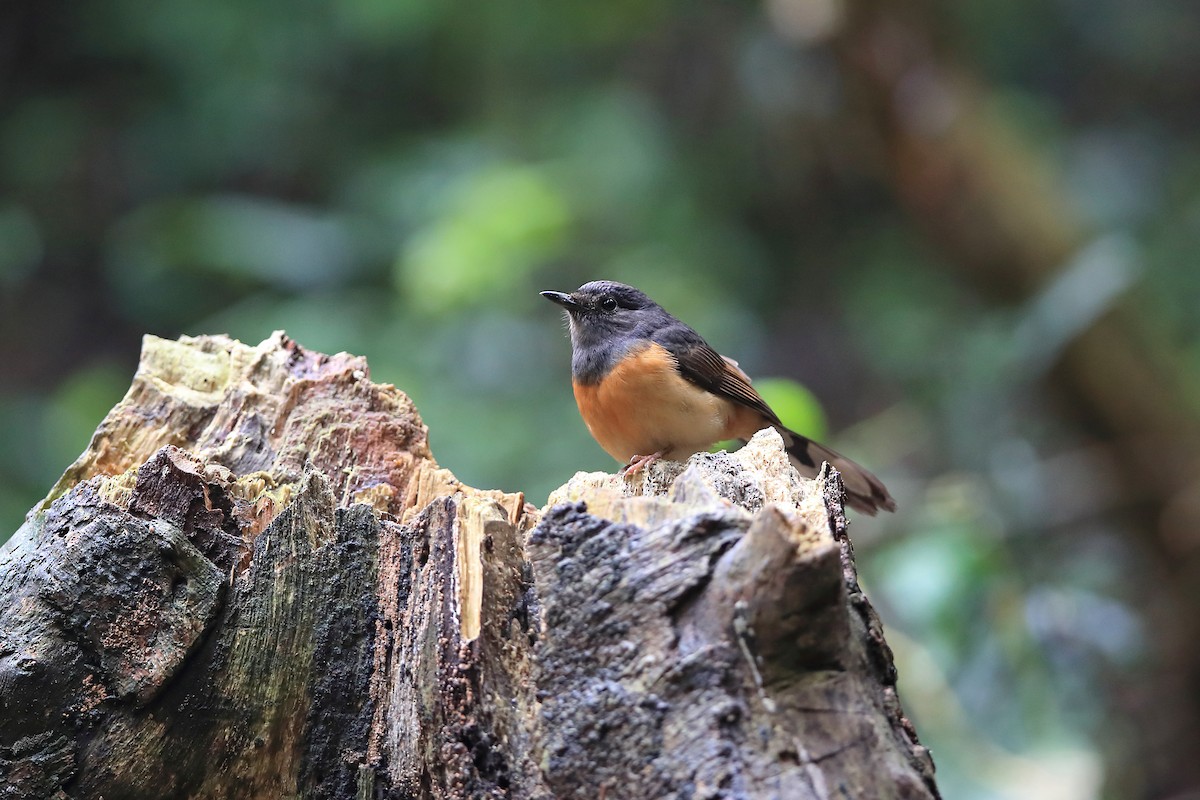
point(969, 230)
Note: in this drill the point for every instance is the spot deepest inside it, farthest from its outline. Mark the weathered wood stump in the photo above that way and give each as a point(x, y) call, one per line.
point(257, 582)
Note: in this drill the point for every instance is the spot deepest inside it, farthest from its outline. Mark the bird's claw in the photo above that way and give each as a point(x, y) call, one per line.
point(639, 463)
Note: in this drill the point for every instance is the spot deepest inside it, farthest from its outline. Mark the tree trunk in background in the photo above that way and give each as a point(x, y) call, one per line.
point(982, 196)
point(257, 582)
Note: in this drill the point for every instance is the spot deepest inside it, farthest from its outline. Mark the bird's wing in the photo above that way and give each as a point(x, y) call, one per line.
point(707, 368)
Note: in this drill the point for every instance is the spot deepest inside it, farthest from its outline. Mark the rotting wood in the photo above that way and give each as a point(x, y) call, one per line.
point(257, 582)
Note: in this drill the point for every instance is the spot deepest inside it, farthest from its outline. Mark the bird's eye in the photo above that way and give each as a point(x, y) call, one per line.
point(608, 304)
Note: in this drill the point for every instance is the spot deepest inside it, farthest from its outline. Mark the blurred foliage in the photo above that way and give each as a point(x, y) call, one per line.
point(399, 179)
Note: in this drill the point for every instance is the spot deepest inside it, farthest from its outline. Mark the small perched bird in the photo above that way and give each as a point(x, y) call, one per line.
point(650, 387)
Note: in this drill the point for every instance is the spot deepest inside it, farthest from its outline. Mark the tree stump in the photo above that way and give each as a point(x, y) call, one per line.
point(257, 582)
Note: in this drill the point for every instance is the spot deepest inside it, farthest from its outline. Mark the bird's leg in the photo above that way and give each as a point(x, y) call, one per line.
point(638, 463)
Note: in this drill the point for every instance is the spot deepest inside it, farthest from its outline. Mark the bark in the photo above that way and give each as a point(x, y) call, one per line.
point(257, 582)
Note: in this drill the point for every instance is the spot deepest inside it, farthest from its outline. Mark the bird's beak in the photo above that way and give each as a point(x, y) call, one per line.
point(563, 299)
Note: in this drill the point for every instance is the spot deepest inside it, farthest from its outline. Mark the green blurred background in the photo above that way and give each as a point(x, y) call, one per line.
point(969, 228)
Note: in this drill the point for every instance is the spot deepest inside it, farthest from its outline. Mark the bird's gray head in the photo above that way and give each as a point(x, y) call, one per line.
point(606, 319)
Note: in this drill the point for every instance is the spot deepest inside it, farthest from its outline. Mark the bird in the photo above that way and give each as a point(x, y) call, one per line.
point(648, 387)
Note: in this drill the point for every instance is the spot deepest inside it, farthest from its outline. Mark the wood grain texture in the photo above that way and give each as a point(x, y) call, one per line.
point(258, 583)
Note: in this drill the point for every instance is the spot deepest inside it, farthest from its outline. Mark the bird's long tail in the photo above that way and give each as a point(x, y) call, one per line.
point(864, 492)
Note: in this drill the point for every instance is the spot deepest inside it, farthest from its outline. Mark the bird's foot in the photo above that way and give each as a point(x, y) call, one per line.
point(639, 463)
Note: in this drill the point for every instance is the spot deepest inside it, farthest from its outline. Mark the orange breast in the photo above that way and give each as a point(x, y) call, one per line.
point(644, 406)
